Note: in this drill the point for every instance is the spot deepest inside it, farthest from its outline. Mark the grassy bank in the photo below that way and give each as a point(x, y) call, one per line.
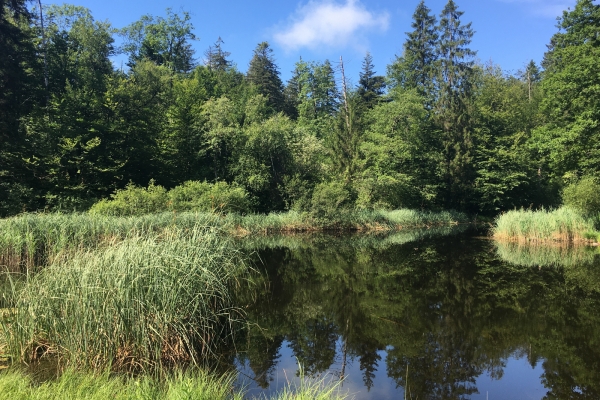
point(561, 225)
point(145, 303)
point(199, 386)
point(32, 240)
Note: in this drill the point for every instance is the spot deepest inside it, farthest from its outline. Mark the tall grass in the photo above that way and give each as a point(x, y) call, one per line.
point(30, 241)
point(144, 303)
point(16, 385)
point(563, 224)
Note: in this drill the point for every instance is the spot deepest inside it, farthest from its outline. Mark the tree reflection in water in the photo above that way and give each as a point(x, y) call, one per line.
point(444, 310)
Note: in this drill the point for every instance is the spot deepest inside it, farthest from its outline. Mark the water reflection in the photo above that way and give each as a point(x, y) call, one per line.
point(433, 316)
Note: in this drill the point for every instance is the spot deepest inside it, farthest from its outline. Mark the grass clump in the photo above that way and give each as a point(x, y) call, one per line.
point(144, 303)
point(564, 224)
point(79, 385)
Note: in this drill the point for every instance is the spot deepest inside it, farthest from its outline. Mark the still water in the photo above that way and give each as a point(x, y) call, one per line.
point(423, 315)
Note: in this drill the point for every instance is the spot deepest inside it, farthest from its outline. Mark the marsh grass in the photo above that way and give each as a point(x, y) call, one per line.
point(145, 303)
point(74, 384)
point(561, 225)
point(197, 385)
point(30, 241)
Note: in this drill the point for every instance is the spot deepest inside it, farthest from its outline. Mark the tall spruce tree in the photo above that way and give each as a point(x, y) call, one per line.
point(264, 74)
point(416, 68)
point(370, 86)
point(452, 108)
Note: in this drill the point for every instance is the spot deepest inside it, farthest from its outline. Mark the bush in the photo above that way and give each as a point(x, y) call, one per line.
point(204, 196)
point(329, 198)
point(190, 196)
point(133, 200)
point(583, 196)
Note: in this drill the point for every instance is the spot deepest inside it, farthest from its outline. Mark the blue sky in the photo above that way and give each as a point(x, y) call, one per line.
point(508, 32)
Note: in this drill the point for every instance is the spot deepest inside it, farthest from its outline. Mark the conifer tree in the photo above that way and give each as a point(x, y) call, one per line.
point(264, 74)
point(452, 108)
point(416, 68)
point(370, 86)
point(216, 57)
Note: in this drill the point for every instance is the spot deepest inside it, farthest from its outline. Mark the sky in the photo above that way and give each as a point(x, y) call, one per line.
point(508, 33)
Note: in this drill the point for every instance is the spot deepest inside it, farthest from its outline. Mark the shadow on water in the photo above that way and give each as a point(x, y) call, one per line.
point(423, 315)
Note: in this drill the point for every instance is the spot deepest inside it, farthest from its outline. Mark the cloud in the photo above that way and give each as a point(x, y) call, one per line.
point(328, 23)
point(544, 8)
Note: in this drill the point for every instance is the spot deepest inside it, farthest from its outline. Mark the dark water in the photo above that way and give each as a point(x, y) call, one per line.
point(422, 316)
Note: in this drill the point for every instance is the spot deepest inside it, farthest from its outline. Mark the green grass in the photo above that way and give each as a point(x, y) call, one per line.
point(144, 303)
point(72, 385)
point(561, 225)
point(31, 241)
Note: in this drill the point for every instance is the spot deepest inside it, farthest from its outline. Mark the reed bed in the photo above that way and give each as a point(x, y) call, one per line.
point(144, 303)
point(31, 241)
point(561, 225)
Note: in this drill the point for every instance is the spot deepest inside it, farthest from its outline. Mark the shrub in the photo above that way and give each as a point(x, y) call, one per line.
point(204, 196)
point(190, 196)
point(583, 196)
point(133, 200)
point(329, 198)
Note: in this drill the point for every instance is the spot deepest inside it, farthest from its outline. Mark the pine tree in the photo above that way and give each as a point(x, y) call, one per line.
point(264, 74)
point(452, 108)
point(216, 57)
point(370, 86)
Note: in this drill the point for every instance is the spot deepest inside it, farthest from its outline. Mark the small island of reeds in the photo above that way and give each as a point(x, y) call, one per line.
point(564, 224)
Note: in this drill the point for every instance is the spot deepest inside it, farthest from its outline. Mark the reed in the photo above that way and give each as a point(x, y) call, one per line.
point(31, 241)
point(144, 303)
point(562, 225)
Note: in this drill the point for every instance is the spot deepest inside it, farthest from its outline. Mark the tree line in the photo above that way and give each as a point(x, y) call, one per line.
point(437, 131)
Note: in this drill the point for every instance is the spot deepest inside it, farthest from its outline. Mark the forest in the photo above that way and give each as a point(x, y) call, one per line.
point(438, 130)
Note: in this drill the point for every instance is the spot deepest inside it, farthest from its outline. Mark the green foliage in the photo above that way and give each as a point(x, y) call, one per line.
point(133, 200)
point(264, 74)
point(164, 41)
point(583, 196)
point(190, 196)
point(330, 199)
point(416, 69)
point(568, 138)
point(208, 197)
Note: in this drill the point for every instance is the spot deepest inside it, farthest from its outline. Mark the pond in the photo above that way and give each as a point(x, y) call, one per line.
point(423, 315)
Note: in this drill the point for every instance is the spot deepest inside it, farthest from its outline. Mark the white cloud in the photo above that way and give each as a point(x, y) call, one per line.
point(328, 23)
point(544, 8)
